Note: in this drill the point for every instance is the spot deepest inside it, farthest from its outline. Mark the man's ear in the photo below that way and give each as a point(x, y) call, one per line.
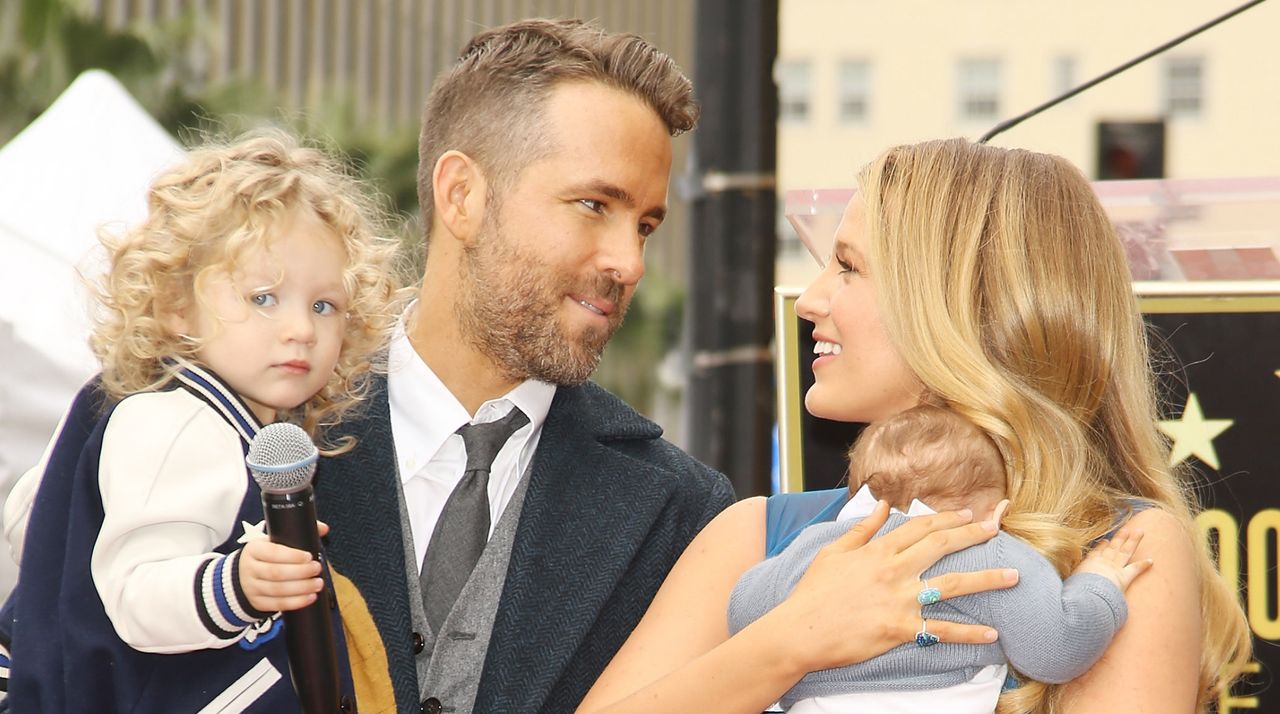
point(458, 188)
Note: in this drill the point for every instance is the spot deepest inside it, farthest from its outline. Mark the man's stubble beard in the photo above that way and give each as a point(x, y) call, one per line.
point(509, 309)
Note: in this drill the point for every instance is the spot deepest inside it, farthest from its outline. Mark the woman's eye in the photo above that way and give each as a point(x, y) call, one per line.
point(592, 204)
point(263, 300)
point(324, 307)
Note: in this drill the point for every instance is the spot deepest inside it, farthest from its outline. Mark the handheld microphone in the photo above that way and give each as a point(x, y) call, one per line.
point(282, 459)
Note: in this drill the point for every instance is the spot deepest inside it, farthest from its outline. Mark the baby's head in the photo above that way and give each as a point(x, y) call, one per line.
point(932, 454)
point(233, 214)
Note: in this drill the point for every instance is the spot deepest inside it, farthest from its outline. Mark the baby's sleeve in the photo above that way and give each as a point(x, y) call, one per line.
point(172, 479)
point(1053, 631)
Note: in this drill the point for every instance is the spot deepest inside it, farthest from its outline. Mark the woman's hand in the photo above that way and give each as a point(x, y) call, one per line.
point(858, 598)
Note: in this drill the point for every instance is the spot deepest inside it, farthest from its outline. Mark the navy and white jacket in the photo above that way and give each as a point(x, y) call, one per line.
point(128, 534)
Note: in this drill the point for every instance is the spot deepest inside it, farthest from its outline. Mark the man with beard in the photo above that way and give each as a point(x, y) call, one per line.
point(502, 524)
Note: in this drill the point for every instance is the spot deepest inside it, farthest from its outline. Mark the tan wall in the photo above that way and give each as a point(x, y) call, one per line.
point(913, 46)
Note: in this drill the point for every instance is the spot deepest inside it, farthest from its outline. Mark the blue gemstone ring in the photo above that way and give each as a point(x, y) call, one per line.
point(923, 637)
point(928, 595)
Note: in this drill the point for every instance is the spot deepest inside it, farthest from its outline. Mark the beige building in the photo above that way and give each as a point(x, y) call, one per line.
point(856, 76)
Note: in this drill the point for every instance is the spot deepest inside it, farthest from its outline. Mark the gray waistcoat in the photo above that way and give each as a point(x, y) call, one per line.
point(449, 667)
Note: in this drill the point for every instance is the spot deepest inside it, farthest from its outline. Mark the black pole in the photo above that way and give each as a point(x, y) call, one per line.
point(728, 317)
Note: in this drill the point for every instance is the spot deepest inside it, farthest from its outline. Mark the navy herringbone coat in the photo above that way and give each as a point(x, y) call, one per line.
point(609, 509)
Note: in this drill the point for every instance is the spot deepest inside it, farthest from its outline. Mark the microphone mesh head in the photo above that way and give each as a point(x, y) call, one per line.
point(282, 458)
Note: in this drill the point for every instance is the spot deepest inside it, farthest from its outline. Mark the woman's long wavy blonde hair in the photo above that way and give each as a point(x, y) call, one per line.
point(204, 215)
point(1004, 287)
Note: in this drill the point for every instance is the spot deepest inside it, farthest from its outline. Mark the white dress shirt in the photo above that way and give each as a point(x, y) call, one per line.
point(425, 418)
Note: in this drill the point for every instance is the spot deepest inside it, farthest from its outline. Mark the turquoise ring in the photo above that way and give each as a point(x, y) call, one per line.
point(928, 595)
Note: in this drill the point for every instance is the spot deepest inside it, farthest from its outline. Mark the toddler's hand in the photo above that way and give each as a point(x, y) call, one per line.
point(277, 577)
point(1111, 559)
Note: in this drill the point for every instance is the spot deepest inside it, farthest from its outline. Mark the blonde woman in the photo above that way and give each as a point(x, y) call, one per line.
point(989, 281)
point(257, 289)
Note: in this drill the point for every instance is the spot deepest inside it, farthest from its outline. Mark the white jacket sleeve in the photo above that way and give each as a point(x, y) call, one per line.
point(17, 507)
point(172, 479)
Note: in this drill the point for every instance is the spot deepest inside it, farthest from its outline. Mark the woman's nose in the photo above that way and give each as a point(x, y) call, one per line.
point(813, 302)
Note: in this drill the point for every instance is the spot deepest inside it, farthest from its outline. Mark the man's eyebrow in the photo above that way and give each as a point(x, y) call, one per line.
point(623, 196)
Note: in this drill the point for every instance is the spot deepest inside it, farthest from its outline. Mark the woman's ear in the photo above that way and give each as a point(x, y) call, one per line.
point(458, 189)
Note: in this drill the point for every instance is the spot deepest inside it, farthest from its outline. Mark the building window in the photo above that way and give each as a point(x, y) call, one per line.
point(1184, 86)
point(855, 90)
point(979, 88)
point(793, 90)
point(1064, 74)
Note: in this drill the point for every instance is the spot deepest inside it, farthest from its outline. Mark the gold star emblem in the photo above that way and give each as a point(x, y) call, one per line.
point(1193, 435)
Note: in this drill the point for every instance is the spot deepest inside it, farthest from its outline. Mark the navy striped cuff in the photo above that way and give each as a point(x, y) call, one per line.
point(4, 671)
point(223, 608)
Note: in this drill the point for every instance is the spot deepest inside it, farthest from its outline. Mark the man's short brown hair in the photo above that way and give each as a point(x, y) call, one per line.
point(491, 104)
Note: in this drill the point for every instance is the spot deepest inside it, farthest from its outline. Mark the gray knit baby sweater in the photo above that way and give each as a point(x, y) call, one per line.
point(1050, 631)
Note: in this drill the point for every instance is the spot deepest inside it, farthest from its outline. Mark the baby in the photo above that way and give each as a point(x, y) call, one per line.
point(930, 458)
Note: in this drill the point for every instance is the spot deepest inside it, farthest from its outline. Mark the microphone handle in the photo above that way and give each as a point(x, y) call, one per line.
point(313, 659)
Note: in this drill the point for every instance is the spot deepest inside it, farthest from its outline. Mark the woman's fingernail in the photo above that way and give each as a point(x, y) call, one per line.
point(990, 635)
point(990, 526)
point(1010, 575)
point(965, 513)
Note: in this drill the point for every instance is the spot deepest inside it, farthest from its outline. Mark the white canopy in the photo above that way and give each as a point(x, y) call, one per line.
point(86, 162)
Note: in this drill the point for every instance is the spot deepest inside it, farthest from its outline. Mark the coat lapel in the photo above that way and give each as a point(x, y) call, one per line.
point(588, 509)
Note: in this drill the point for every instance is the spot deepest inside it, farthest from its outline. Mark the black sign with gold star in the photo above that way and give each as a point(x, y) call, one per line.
point(1220, 364)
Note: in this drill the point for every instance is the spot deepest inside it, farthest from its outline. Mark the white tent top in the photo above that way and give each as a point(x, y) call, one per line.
point(86, 162)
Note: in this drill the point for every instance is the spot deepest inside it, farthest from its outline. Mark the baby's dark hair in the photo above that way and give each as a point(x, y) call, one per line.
point(929, 453)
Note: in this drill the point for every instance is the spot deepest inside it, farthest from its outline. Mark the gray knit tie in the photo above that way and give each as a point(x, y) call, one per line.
point(463, 529)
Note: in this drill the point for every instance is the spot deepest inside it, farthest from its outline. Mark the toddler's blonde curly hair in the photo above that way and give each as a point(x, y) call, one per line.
point(204, 215)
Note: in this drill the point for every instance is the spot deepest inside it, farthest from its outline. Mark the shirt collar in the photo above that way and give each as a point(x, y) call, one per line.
point(863, 502)
point(425, 413)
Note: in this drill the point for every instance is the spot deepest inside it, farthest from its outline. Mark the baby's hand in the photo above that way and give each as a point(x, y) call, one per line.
point(1111, 559)
point(277, 577)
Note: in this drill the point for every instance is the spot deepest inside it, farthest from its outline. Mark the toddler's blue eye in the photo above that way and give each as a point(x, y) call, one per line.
point(323, 307)
point(263, 300)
